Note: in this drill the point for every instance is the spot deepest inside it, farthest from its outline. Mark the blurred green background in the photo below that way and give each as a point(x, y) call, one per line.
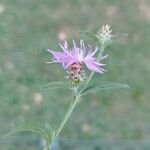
point(29, 27)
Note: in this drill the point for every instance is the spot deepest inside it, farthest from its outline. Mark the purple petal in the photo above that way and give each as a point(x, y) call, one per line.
point(65, 45)
point(74, 44)
point(64, 49)
point(93, 66)
point(93, 53)
point(69, 63)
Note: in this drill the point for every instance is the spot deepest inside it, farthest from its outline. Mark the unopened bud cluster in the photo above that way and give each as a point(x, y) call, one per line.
point(104, 34)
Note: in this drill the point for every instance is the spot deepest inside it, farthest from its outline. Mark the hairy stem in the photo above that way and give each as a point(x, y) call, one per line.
point(66, 117)
point(46, 145)
point(70, 110)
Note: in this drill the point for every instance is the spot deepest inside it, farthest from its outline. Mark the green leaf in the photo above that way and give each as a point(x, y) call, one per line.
point(103, 86)
point(32, 127)
point(90, 35)
point(120, 36)
point(55, 85)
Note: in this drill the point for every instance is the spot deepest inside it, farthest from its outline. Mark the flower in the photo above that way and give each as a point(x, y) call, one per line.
point(75, 57)
point(104, 34)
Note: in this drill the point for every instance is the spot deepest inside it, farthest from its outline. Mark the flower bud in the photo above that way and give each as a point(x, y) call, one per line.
point(104, 35)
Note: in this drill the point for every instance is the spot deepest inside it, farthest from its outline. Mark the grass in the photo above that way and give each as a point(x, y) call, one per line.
point(28, 28)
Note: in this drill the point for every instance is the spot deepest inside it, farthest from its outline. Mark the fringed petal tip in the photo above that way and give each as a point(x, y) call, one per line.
point(49, 62)
point(65, 44)
point(49, 50)
point(102, 71)
point(103, 64)
point(74, 44)
point(103, 57)
point(62, 47)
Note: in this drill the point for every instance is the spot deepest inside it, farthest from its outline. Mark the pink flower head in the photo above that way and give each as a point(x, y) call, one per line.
point(77, 55)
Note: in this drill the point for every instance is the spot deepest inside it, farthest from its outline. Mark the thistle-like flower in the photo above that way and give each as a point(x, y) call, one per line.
point(74, 58)
point(104, 35)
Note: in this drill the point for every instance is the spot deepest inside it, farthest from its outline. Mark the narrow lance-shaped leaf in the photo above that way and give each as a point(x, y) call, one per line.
point(32, 127)
point(103, 86)
point(55, 85)
point(119, 36)
point(90, 35)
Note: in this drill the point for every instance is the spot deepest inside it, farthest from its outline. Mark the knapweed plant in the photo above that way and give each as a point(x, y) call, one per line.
point(76, 60)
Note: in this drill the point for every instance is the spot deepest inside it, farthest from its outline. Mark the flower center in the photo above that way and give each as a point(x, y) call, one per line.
point(76, 68)
point(76, 73)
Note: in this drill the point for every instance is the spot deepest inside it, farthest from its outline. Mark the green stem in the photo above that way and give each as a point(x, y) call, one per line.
point(101, 52)
point(70, 110)
point(46, 145)
point(66, 117)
